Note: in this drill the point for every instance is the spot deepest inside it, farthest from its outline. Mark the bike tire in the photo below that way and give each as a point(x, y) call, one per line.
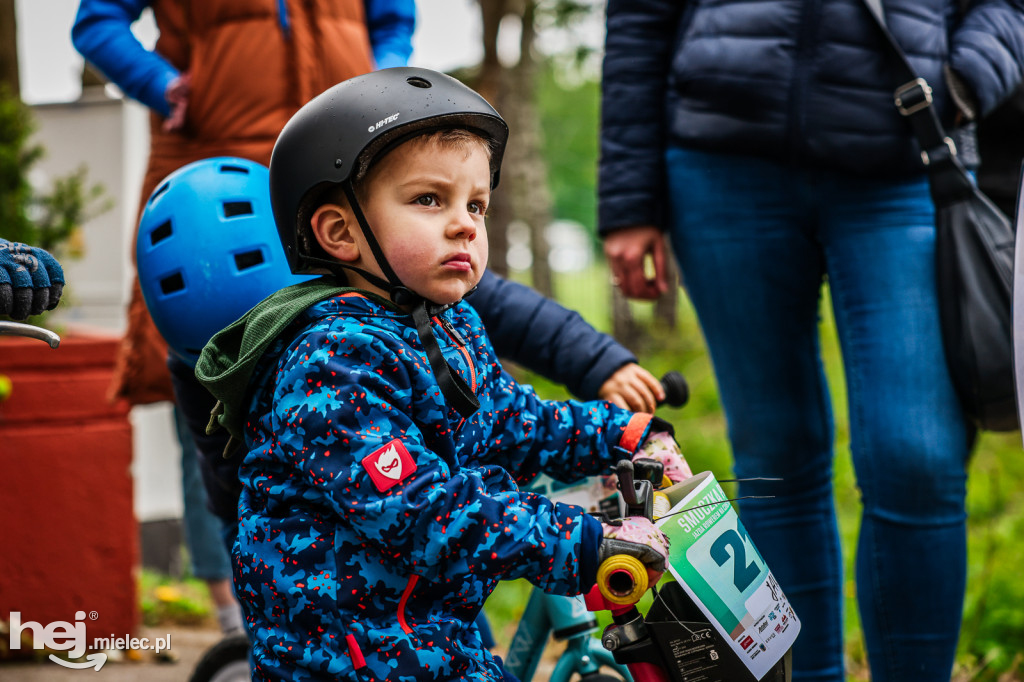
point(225, 661)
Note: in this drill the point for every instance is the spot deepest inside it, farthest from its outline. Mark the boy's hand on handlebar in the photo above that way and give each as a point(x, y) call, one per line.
point(31, 280)
point(661, 446)
point(634, 388)
point(637, 537)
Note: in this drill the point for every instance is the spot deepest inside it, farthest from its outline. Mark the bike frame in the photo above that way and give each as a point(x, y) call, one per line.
point(563, 618)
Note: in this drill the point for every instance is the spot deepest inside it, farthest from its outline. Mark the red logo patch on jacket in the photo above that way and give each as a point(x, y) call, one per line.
point(389, 465)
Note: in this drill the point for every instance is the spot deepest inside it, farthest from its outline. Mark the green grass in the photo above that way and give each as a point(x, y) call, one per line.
point(165, 600)
point(993, 626)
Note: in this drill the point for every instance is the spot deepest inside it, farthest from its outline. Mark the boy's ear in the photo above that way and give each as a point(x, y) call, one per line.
point(333, 226)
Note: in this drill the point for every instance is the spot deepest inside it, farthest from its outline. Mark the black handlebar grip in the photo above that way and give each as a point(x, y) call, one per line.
point(677, 391)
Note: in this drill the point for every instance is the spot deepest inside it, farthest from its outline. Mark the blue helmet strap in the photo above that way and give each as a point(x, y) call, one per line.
point(453, 388)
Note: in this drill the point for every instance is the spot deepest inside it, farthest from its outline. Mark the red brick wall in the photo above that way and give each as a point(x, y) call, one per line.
point(68, 534)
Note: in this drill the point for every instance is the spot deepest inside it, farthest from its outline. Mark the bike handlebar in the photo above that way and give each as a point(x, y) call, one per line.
point(677, 391)
point(31, 331)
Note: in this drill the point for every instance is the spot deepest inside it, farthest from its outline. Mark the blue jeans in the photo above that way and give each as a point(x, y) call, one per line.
point(203, 530)
point(755, 241)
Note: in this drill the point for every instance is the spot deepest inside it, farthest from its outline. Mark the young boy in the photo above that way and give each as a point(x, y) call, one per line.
point(384, 446)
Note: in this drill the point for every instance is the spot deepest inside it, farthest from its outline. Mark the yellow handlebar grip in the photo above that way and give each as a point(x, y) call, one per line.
point(666, 482)
point(662, 505)
point(622, 579)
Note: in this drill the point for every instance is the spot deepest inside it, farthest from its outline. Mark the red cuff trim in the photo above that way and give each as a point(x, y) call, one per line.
point(634, 432)
point(353, 650)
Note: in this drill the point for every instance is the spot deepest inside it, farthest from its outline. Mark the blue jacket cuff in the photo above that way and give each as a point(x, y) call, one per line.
point(590, 543)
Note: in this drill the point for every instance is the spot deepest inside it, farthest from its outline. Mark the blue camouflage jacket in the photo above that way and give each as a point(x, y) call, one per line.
point(375, 521)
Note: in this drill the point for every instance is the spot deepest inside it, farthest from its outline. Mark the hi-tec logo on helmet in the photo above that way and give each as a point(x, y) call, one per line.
point(380, 124)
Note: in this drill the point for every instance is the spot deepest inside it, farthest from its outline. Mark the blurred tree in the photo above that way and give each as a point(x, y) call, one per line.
point(511, 88)
point(9, 47)
point(551, 105)
point(569, 119)
point(49, 220)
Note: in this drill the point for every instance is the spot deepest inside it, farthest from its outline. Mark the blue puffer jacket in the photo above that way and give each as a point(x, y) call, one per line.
point(797, 81)
point(375, 521)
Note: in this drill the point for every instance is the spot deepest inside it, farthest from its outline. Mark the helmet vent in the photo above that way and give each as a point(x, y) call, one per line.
point(237, 208)
point(418, 81)
point(234, 169)
point(158, 191)
point(162, 232)
point(172, 283)
point(249, 259)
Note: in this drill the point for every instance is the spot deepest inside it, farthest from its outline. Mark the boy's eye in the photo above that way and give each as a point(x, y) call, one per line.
point(426, 200)
point(477, 207)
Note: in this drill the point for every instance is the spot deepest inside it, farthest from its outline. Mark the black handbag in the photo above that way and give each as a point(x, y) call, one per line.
point(974, 259)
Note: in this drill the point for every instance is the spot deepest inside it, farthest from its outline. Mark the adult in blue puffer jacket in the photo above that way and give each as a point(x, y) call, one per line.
point(762, 137)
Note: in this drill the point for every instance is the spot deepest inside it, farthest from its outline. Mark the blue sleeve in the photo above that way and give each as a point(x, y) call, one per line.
point(541, 335)
point(391, 24)
point(341, 404)
point(988, 50)
point(638, 52)
point(102, 34)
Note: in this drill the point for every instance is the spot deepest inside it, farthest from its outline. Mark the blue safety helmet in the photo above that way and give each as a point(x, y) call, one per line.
point(208, 250)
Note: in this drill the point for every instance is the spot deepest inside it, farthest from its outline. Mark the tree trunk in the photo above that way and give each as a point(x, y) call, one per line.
point(666, 307)
point(525, 166)
point(624, 327)
point(9, 48)
point(91, 78)
point(490, 83)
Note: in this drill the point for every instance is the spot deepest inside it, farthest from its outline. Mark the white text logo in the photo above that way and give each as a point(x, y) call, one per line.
point(383, 122)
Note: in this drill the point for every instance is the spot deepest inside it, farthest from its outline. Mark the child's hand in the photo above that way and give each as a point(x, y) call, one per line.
point(662, 447)
point(633, 388)
point(636, 537)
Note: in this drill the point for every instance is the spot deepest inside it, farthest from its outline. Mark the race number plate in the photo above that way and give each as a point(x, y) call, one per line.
point(718, 565)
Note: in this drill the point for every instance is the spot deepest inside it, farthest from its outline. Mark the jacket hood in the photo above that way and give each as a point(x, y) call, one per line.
point(227, 362)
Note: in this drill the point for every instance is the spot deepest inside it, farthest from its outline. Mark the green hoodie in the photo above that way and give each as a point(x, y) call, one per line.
point(228, 360)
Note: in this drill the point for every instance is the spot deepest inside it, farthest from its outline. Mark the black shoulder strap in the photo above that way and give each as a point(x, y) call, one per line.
point(913, 99)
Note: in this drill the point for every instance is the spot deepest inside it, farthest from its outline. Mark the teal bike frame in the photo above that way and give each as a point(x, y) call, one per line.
point(563, 618)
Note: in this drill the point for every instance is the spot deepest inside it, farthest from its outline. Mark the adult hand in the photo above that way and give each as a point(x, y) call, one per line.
point(31, 280)
point(626, 250)
point(634, 388)
point(177, 94)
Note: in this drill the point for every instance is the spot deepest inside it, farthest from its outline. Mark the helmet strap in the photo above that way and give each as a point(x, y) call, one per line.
point(378, 253)
point(455, 391)
point(453, 388)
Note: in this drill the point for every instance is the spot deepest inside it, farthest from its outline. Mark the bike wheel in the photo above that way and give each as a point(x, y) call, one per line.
point(225, 661)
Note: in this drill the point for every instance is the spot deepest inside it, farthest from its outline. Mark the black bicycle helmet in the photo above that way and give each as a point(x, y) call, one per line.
point(332, 141)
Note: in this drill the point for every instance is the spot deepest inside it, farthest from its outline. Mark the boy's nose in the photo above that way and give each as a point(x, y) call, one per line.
point(463, 226)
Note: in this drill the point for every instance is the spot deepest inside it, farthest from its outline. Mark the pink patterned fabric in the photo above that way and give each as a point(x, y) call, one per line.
point(662, 447)
point(638, 530)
